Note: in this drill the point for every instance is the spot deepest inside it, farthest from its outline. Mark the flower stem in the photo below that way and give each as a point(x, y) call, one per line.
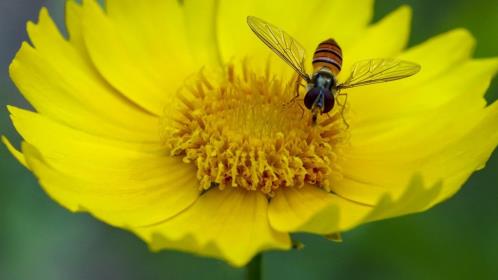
point(253, 270)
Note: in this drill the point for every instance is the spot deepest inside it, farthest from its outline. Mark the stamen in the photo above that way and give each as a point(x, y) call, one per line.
point(238, 133)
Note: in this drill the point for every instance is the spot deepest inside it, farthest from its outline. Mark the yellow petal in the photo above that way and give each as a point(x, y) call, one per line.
point(236, 38)
point(162, 31)
point(458, 160)
point(385, 39)
point(455, 111)
point(122, 184)
point(200, 25)
point(462, 87)
point(150, 77)
point(18, 155)
point(345, 21)
point(442, 58)
point(439, 54)
point(377, 165)
point(311, 209)
point(74, 13)
point(59, 81)
point(309, 22)
point(378, 161)
point(231, 224)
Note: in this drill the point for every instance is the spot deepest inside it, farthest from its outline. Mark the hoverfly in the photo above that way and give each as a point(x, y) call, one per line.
point(322, 87)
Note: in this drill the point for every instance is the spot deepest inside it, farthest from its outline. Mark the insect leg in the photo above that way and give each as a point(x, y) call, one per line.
point(343, 107)
point(345, 100)
point(298, 84)
point(302, 110)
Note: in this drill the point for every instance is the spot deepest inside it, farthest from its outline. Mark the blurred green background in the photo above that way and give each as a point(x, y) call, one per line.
point(455, 240)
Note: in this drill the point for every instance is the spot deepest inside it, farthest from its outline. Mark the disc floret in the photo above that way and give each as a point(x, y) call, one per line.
point(242, 131)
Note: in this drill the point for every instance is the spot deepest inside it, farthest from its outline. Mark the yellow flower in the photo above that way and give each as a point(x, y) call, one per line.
point(166, 119)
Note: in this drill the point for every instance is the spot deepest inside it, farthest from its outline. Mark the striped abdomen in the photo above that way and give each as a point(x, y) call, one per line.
point(328, 54)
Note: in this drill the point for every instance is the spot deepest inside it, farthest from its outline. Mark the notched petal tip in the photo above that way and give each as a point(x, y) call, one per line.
point(15, 152)
point(43, 14)
point(44, 27)
point(19, 57)
point(73, 18)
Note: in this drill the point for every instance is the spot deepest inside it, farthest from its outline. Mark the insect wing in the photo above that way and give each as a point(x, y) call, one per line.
point(281, 43)
point(374, 71)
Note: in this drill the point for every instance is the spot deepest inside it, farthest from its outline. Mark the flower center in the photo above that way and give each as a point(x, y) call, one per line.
point(244, 130)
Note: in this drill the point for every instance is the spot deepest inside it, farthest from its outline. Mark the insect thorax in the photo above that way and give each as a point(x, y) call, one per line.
point(324, 79)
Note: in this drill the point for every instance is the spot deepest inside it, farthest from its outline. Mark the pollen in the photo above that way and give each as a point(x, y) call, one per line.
point(244, 129)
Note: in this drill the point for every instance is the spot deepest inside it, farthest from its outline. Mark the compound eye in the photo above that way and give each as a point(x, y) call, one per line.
point(320, 97)
point(310, 97)
point(328, 102)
